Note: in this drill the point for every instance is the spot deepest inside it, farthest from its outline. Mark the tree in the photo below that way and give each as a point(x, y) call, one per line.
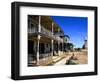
point(69, 46)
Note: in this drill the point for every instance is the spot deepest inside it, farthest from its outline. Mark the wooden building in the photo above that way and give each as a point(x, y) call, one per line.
point(45, 40)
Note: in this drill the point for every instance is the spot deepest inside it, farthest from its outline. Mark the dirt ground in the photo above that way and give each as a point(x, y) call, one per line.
point(82, 57)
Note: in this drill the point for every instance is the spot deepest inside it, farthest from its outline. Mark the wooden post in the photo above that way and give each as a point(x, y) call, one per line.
point(52, 41)
point(52, 28)
point(30, 28)
point(58, 43)
point(52, 47)
point(39, 25)
point(62, 46)
point(38, 39)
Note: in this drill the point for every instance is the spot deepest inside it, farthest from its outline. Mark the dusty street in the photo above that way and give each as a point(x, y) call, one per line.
point(81, 56)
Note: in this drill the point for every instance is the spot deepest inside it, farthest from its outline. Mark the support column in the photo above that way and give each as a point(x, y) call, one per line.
point(52, 47)
point(52, 28)
point(63, 45)
point(58, 47)
point(39, 25)
point(52, 41)
point(37, 51)
point(30, 28)
point(58, 43)
point(38, 40)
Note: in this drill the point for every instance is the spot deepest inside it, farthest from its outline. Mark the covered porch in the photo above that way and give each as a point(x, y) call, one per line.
point(41, 50)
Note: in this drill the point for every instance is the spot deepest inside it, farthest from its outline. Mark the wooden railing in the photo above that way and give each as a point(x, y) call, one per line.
point(32, 30)
point(45, 32)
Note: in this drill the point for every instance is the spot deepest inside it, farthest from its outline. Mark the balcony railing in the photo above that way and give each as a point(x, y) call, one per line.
point(45, 32)
point(58, 38)
point(32, 30)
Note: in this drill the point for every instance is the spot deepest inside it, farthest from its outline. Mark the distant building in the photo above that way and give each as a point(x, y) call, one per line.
point(85, 44)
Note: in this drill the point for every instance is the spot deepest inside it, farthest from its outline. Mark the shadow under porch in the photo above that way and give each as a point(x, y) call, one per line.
point(45, 53)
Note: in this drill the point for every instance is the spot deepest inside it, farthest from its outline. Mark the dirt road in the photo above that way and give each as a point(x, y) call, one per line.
point(82, 58)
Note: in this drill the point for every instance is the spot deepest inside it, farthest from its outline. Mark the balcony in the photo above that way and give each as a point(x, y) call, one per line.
point(58, 38)
point(32, 30)
point(45, 32)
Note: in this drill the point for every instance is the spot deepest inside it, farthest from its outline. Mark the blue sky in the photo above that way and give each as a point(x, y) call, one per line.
point(75, 27)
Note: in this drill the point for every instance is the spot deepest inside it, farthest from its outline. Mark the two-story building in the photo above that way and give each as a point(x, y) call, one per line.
point(45, 40)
